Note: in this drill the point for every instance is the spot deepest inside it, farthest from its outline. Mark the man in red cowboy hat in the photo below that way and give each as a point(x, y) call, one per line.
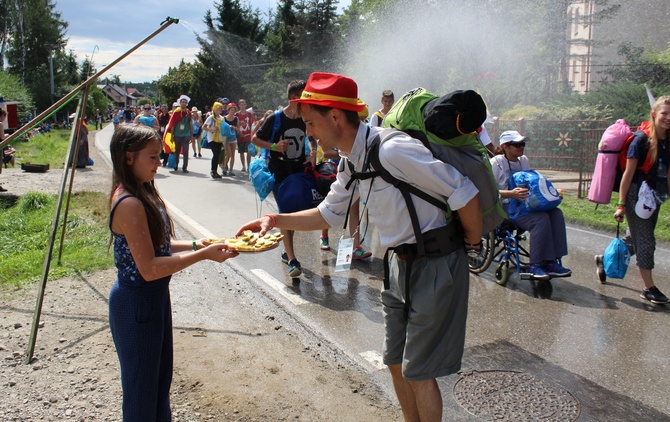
point(425, 340)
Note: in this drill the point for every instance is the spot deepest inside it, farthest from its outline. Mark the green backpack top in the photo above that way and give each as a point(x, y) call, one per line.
point(447, 127)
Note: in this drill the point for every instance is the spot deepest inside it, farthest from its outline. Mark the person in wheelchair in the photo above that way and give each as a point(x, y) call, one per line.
point(548, 240)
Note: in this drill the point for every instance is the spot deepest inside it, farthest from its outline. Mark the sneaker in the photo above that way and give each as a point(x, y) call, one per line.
point(294, 268)
point(323, 243)
point(360, 253)
point(230, 173)
point(600, 269)
point(185, 171)
point(195, 155)
point(215, 175)
point(554, 269)
point(654, 295)
point(199, 155)
point(284, 257)
point(536, 272)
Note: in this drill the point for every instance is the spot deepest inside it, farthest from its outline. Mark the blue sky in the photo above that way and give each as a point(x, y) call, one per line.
point(117, 26)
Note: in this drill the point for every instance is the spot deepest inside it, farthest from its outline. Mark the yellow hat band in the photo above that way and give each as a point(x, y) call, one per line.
point(315, 96)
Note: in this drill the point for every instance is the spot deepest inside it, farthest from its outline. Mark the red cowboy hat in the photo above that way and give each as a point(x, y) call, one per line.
point(331, 90)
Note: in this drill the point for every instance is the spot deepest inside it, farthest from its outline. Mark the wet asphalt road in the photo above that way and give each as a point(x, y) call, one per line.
point(588, 351)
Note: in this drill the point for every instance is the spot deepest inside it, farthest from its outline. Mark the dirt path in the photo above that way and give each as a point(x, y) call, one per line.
point(238, 356)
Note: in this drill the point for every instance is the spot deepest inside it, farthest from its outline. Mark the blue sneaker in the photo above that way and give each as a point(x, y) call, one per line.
point(294, 268)
point(360, 253)
point(554, 269)
point(536, 272)
point(284, 257)
point(324, 244)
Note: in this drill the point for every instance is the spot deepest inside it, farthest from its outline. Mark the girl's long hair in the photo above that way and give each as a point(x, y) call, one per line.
point(653, 136)
point(133, 138)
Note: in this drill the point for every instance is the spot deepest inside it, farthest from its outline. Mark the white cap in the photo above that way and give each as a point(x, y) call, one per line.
point(184, 97)
point(646, 203)
point(511, 136)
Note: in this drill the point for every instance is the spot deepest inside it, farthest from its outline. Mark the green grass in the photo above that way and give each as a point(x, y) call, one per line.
point(582, 212)
point(45, 148)
point(25, 230)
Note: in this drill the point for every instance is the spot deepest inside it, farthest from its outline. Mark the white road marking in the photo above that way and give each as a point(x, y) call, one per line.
point(280, 287)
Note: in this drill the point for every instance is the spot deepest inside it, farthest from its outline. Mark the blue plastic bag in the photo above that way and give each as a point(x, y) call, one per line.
point(261, 178)
point(616, 258)
point(172, 161)
point(542, 195)
point(252, 150)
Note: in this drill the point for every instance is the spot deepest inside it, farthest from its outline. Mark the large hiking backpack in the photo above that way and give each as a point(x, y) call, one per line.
point(447, 127)
point(611, 160)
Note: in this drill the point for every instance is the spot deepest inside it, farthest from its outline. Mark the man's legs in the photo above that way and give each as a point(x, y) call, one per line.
point(421, 401)
point(288, 243)
point(294, 268)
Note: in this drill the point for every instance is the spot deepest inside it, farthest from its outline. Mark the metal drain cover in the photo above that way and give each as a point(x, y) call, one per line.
point(514, 396)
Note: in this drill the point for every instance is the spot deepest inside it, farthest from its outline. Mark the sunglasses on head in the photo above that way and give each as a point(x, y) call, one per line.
point(517, 144)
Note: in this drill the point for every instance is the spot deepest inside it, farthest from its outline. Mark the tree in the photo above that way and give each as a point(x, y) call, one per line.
point(316, 32)
point(36, 32)
point(12, 90)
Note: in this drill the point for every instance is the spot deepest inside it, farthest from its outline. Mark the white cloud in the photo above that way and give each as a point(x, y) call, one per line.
point(145, 64)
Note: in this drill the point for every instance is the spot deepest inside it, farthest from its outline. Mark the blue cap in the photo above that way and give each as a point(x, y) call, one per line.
point(224, 100)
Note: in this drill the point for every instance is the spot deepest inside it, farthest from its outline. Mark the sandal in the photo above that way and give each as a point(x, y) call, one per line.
point(2, 189)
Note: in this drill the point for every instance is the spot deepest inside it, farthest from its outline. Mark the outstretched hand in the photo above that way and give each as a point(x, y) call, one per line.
point(260, 226)
point(219, 252)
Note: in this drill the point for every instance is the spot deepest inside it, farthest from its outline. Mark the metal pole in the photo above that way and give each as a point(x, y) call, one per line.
point(47, 257)
point(168, 21)
point(51, 74)
point(73, 165)
point(54, 227)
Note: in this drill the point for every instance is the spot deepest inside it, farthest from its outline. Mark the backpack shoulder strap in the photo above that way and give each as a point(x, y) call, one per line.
point(276, 126)
point(389, 178)
point(405, 188)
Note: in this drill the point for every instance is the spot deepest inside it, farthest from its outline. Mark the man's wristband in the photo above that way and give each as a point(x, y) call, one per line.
point(195, 245)
point(274, 147)
point(273, 220)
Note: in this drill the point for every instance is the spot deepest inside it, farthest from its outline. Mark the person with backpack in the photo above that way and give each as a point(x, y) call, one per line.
point(548, 239)
point(283, 135)
point(650, 150)
point(425, 329)
point(387, 102)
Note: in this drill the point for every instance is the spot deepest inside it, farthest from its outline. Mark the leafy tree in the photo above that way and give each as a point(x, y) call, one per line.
point(641, 67)
point(176, 82)
point(36, 31)
point(11, 89)
point(97, 100)
point(316, 32)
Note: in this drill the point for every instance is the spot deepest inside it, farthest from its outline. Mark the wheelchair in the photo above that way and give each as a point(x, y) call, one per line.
point(505, 245)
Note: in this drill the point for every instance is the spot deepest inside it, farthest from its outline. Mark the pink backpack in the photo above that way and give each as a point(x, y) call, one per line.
point(605, 171)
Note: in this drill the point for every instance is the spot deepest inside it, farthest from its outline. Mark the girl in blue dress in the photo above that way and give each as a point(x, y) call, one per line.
point(140, 316)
